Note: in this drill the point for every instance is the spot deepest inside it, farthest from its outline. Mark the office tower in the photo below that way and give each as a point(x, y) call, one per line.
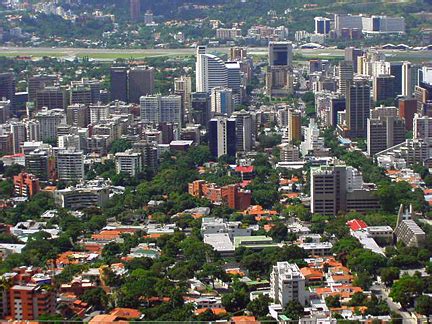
point(167, 132)
point(211, 71)
point(222, 136)
point(39, 82)
point(119, 83)
point(358, 104)
point(4, 110)
point(221, 101)
point(235, 81)
point(18, 135)
point(70, 165)
point(340, 188)
point(407, 86)
point(52, 97)
point(128, 162)
point(183, 88)
point(30, 301)
point(384, 87)
point(157, 109)
point(294, 125)
point(279, 81)
point(396, 69)
point(141, 82)
point(243, 122)
point(135, 10)
point(346, 75)
point(48, 121)
point(7, 89)
point(280, 53)
point(95, 89)
point(384, 129)
point(238, 54)
point(407, 109)
point(99, 112)
point(337, 104)
point(287, 284)
point(351, 55)
point(200, 103)
point(347, 22)
point(78, 115)
point(322, 25)
point(80, 94)
point(37, 163)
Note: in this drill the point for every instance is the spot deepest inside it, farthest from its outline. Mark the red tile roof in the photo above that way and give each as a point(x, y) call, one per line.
point(244, 169)
point(356, 224)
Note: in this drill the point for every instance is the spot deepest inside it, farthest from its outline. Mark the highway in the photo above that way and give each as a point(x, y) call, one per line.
point(111, 54)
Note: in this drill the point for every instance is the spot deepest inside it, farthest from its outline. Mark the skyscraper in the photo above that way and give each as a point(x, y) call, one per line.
point(351, 55)
point(135, 9)
point(52, 97)
point(141, 82)
point(157, 109)
point(211, 71)
point(222, 136)
point(280, 53)
point(294, 125)
point(243, 122)
point(322, 25)
point(7, 88)
point(200, 108)
point(384, 87)
point(38, 82)
point(396, 70)
point(119, 83)
point(222, 101)
point(358, 104)
point(346, 75)
point(407, 86)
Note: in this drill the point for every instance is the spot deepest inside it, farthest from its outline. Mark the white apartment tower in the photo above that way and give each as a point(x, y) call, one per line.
point(70, 165)
point(287, 284)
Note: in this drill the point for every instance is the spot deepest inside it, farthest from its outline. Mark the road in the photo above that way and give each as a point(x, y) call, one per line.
point(111, 54)
point(381, 292)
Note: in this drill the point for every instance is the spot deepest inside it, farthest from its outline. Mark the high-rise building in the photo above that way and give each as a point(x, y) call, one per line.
point(396, 70)
point(422, 127)
point(48, 121)
point(52, 97)
point(235, 80)
point(407, 86)
point(211, 71)
point(407, 109)
point(78, 115)
point(18, 132)
point(141, 82)
point(7, 88)
point(39, 82)
point(280, 53)
point(384, 87)
point(99, 112)
point(183, 88)
point(322, 25)
point(26, 185)
point(340, 188)
point(289, 152)
point(4, 110)
point(337, 104)
point(222, 136)
point(200, 103)
point(156, 109)
point(128, 162)
point(238, 54)
point(287, 284)
point(351, 55)
point(243, 122)
point(33, 132)
point(70, 165)
point(119, 83)
point(135, 9)
point(384, 129)
point(222, 101)
point(80, 94)
point(346, 75)
point(37, 162)
point(30, 302)
point(358, 104)
point(294, 125)
point(279, 81)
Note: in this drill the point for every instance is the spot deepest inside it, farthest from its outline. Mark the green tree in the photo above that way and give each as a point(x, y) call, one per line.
point(120, 145)
point(293, 310)
point(259, 306)
point(423, 305)
point(406, 290)
point(95, 297)
point(389, 275)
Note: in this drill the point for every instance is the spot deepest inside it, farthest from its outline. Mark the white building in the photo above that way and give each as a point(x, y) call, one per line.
point(70, 165)
point(99, 113)
point(48, 121)
point(287, 284)
point(211, 71)
point(128, 162)
point(156, 109)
